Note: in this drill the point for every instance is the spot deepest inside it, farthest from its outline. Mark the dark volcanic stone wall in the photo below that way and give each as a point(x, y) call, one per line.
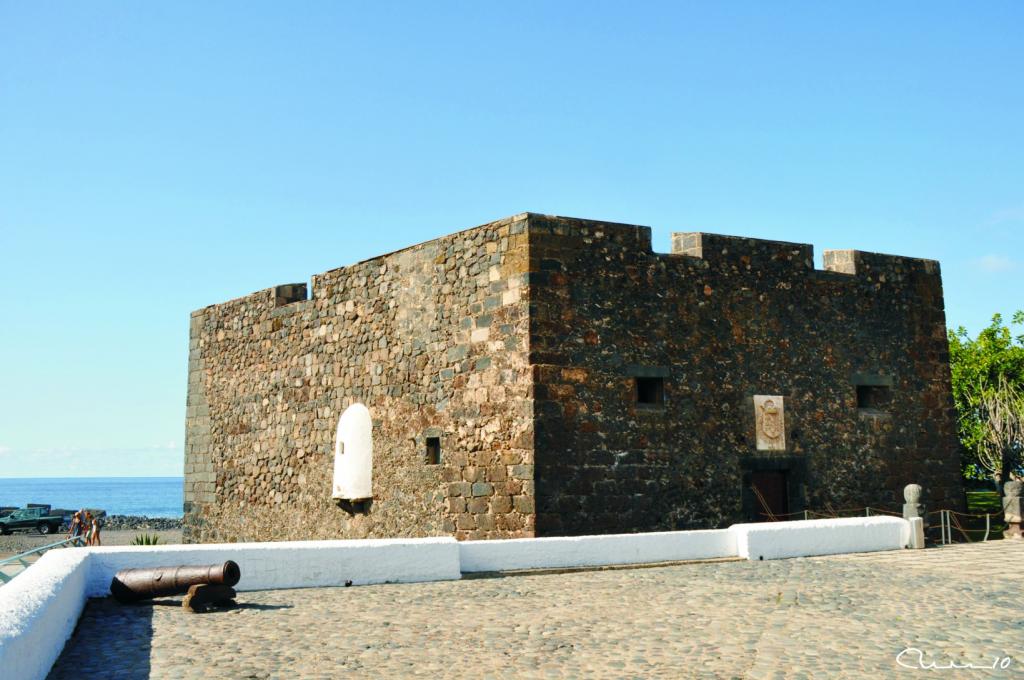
point(431, 338)
point(723, 319)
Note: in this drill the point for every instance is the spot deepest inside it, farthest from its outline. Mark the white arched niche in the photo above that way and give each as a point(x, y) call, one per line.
point(353, 455)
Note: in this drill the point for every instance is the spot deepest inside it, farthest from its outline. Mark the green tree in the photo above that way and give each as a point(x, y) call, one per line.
point(988, 390)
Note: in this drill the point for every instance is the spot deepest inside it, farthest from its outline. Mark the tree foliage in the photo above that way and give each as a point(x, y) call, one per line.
point(988, 390)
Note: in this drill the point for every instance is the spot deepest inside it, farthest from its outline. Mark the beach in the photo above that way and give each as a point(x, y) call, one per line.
point(13, 544)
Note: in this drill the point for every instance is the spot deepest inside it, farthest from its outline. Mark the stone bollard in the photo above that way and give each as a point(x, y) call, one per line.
point(913, 507)
point(1013, 509)
point(916, 538)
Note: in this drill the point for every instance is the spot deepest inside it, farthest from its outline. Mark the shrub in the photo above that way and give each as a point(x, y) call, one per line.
point(146, 539)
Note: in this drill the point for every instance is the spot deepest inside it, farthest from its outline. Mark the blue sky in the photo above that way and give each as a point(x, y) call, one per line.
point(156, 159)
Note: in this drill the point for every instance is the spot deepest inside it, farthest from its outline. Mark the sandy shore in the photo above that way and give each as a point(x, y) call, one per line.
point(19, 542)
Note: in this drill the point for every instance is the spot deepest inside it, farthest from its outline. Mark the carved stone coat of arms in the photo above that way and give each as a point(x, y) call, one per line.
point(770, 423)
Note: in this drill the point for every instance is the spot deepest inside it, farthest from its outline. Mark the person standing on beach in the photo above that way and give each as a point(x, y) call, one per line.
point(76, 525)
point(97, 524)
point(88, 528)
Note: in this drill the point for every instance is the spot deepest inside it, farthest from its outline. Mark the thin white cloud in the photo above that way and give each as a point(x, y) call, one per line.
point(4, 449)
point(994, 263)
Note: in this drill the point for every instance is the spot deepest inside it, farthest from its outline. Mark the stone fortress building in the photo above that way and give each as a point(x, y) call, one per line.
point(543, 375)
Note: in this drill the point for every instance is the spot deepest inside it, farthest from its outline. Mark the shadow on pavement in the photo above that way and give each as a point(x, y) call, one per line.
point(166, 602)
point(111, 640)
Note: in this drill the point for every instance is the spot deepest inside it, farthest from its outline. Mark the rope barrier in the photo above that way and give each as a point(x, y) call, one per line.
point(788, 514)
point(969, 514)
point(959, 528)
point(887, 512)
point(883, 511)
point(948, 518)
point(764, 504)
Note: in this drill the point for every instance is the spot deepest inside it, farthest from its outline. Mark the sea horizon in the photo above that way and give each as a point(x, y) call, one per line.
point(156, 496)
point(99, 477)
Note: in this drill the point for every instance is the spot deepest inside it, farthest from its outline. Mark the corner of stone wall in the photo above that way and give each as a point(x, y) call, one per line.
point(554, 231)
point(199, 475)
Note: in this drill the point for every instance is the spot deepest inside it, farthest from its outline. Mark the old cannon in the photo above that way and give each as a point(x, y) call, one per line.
point(132, 585)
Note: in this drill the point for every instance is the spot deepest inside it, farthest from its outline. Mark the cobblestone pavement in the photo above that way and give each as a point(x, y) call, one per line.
point(843, 616)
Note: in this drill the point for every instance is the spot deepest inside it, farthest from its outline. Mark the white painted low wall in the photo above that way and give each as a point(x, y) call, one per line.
point(38, 612)
point(593, 551)
point(40, 607)
point(293, 564)
point(775, 540)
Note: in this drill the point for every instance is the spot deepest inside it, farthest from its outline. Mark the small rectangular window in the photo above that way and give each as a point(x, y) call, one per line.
point(876, 397)
point(650, 391)
point(433, 451)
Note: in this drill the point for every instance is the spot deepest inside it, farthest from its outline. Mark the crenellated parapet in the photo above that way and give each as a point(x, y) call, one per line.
point(746, 253)
point(867, 264)
point(541, 236)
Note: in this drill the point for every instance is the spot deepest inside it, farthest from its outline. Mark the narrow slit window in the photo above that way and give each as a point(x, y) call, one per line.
point(650, 391)
point(876, 397)
point(433, 455)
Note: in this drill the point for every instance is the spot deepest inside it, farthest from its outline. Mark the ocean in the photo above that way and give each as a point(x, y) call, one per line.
point(149, 496)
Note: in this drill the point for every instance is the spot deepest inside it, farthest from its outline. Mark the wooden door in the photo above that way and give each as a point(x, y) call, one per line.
point(771, 495)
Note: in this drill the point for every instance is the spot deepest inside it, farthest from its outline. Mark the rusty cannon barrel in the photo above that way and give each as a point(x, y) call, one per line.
point(132, 585)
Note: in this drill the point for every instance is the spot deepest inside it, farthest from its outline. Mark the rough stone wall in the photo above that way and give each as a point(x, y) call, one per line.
point(723, 319)
point(519, 342)
point(432, 339)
